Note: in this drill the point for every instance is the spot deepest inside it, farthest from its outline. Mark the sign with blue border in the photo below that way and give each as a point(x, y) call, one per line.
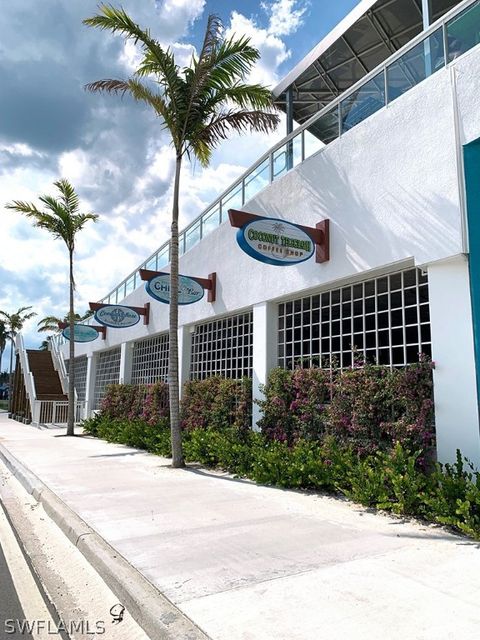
point(81, 333)
point(189, 290)
point(117, 316)
point(275, 242)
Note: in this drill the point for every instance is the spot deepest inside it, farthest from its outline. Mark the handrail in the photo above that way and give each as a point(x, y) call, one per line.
point(27, 375)
point(239, 186)
point(59, 364)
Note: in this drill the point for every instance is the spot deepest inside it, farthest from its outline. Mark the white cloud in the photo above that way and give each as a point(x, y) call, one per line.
point(176, 16)
point(285, 18)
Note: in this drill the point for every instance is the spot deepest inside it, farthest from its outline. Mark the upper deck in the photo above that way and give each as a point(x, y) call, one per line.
point(431, 50)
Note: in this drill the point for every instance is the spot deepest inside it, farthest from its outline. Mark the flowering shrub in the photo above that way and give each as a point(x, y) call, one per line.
point(147, 402)
point(217, 403)
point(295, 404)
point(368, 407)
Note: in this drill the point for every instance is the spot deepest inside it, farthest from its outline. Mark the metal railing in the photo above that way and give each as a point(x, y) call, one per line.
point(27, 374)
point(59, 365)
point(55, 412)
point(431, 50)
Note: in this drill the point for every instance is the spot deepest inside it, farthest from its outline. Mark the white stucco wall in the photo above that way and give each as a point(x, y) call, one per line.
point(389, 187)
point(392, 189)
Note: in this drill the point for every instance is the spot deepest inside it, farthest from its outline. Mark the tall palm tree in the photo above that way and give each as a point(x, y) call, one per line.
point(62, 219)
point(50, 323)
point(3, 341)
point(13, 323)
point(200, 105)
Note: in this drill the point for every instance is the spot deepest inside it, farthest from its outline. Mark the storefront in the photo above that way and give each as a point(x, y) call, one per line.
point(382, 162)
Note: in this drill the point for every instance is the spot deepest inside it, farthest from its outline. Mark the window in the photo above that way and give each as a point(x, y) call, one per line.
point(386, 320)
point(150, 360)
point(80, 368)
point(223, 347)
point(107, 372)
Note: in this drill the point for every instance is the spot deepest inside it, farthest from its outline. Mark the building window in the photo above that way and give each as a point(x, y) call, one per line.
point(107, 372)
point(386, 320)
point(80, 365)
point(223, 347)
point(150, 360)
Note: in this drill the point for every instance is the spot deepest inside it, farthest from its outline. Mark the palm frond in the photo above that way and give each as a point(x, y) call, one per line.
point(220, 128)
point(157, 60)
point(68, 196)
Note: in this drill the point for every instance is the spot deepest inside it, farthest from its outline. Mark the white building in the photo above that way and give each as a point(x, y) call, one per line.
point(387, 148)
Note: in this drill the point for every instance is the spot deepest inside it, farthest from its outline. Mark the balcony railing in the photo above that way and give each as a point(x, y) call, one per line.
point(433, 49)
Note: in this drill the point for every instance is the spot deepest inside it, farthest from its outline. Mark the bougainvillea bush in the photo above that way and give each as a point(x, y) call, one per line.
point(368, 407)
point(147, 402)
point(217, 403)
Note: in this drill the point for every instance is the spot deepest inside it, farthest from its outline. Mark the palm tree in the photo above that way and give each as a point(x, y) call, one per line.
point(13, 323)
point(200, 106)
point(3, 341)
point(50, 323)
point(62, 219)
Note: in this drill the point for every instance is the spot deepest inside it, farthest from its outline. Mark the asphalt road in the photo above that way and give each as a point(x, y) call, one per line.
point(10, 606)
point(24, 612)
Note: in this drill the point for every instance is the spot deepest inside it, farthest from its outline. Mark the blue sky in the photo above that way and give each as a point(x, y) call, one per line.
point(113, 151)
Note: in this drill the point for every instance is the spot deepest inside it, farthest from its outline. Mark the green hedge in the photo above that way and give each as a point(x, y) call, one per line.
point(388, 480)
point(368, 407)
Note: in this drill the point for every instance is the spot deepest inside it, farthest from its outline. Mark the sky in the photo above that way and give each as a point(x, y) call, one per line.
point(114, 151)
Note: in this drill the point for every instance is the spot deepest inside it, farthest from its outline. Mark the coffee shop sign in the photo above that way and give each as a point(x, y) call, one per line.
point(275, 242)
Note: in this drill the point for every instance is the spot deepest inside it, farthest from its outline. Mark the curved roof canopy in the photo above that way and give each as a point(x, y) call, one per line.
point(368, 35)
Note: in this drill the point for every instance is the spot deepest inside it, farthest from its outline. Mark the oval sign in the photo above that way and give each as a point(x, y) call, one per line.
point(81, 333)
point(189, 290)
point(117, 316)
point(275, 242)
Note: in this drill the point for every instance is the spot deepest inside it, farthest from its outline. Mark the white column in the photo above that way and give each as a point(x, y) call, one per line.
point(126, 357)
point(454, 376)
point(90, 384)
point(184, 354)
point(265, 323)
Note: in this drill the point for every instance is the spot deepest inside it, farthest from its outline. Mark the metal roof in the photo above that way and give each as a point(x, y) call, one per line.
point(368, 35)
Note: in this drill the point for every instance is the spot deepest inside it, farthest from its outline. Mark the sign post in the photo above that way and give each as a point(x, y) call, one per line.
point(278, 242)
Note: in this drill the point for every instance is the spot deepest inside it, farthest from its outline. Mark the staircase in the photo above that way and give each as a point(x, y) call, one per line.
point(38, 389)
point(47, 380)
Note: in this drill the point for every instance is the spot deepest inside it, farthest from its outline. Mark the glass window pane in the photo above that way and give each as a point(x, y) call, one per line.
point(129, 285)
point(325, 128)
point(258, 179)
point(233, 199)
point(312, 143)
point(287, 156)
point(415, 65)
point(360, 105)
point(463, 32)
point(151, 265)
point(211, 220)
point(163, 258)
point(192, 236)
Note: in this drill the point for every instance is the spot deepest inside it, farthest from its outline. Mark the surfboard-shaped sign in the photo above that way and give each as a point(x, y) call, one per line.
point(81, 333)
point(189, 290)
point(117, 316)
point(275, 241)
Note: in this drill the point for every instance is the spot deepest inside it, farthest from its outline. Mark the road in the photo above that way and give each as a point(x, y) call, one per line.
point(23, 602)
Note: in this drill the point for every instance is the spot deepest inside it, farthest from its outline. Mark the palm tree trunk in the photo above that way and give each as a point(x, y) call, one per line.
point(173, 382)
point(10, 377)
point(71, 364)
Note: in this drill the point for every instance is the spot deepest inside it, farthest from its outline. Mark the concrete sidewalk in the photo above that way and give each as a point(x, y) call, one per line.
point(257, 563)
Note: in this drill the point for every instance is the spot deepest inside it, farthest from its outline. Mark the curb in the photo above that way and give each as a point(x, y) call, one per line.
point(158, 617)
